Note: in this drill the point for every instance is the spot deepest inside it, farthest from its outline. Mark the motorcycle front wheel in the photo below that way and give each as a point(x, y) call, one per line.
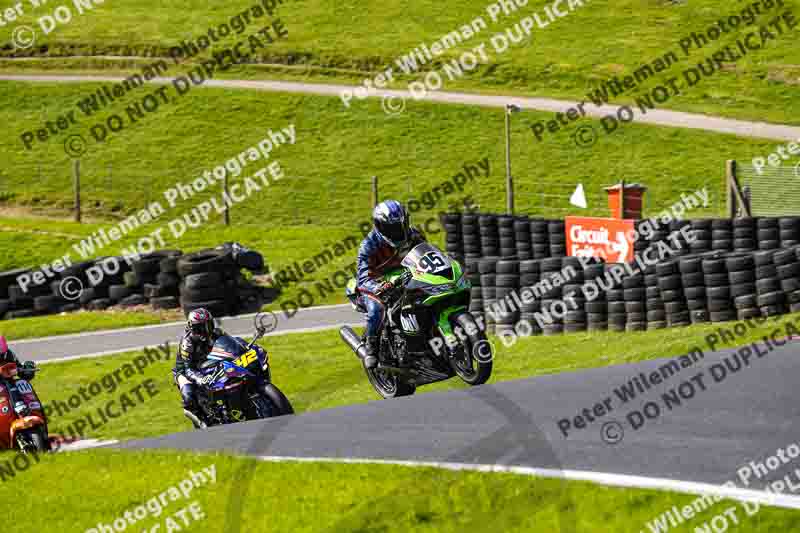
point(279, 400)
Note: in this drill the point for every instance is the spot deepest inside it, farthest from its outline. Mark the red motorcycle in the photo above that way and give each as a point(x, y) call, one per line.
point(26, 430)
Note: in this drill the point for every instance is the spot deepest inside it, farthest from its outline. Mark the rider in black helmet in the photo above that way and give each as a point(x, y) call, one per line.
point(193, 348)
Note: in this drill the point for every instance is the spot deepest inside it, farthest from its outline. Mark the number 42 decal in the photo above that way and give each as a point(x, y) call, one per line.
point(246, 359)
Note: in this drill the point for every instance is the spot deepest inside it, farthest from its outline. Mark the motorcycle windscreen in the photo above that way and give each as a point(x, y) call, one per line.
point(426, 259)
point(227, 347)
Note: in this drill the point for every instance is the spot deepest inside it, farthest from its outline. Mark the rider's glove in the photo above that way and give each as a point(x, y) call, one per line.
point(205, 381)
point(383, 288)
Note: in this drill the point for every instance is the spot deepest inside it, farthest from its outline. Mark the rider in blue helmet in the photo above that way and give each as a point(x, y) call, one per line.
point(384, 247)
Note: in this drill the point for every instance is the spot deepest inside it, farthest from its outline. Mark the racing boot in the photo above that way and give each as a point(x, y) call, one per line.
point(372, 348)
point(190, 408)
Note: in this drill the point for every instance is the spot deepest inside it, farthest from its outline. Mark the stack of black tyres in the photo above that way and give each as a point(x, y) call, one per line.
point(575, 316)
point(670, 285)
point(789, 231)
point(486, 267)
point(595, 306)
point(701, 236)
point(680, 236)
point(742, 278)
point(718, 290)
point(635, 302)
point(540, 238)
point(8, 279)
point(471, 236)
point(550, 273)
point(474, 276)
point(142, 277)
point(20, 302)
point(787, 271)
point(490, 236)
point(454, 239)
point(506, 282)
point(47, 297)
point(97, 296)
point(721, 234)
point(643, 240)
point(209, 279)
point(793, 295)
point(787, 268)
point(744, 235)
point(164, 293)
point(573, 295)
point(615, 300)
point(694, 287)
point(529, 276)
point(557, 238)
point(522, 236)
point(768, 234)
point(656, 315)
point(661, 232)
point(508, 243)
point(769, 297)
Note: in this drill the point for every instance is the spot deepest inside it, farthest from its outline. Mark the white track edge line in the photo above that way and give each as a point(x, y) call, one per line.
point(309, 329)
point(616, 480)
point(133, 329)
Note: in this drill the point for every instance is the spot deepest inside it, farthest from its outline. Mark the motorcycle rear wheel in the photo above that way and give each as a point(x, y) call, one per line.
point(388, 385)
point(475, 368)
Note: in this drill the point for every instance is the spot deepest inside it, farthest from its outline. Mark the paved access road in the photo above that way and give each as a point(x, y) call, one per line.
point(64, 347)
point(661, 117)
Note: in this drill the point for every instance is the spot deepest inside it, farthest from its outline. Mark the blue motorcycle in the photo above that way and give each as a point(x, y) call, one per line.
point(241, 386)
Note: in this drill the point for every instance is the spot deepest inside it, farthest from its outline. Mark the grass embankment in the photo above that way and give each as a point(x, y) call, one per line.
point(83, 489)
point(327, 172)
point(324, 197)
point(353, 41)
point(317, 371)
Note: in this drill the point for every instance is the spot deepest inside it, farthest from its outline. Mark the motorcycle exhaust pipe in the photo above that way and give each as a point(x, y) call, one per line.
point(354, 341)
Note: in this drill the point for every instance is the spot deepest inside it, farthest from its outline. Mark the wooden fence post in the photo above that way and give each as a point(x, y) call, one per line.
point(76, 180)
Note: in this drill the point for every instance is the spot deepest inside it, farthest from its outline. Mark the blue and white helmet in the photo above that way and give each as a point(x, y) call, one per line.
point(391, 222)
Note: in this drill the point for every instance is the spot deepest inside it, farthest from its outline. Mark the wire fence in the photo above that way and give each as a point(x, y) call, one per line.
point(771, 191)
point(559, 200)
point(109, 190)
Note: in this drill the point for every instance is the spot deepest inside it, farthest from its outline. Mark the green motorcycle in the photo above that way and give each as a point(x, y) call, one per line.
point(428, 334)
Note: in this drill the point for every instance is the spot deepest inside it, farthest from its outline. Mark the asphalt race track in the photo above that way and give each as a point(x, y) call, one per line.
point(745, 416)
point(51, 349)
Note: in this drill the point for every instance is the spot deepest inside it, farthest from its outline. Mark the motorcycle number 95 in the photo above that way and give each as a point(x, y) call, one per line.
point(432, 262)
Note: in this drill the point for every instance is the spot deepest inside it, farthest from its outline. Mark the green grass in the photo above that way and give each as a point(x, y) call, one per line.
point(83, 489)
point(317, 371)
point(327, 192)
point(349, 42)
point(84, 321)
point(329, 169)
